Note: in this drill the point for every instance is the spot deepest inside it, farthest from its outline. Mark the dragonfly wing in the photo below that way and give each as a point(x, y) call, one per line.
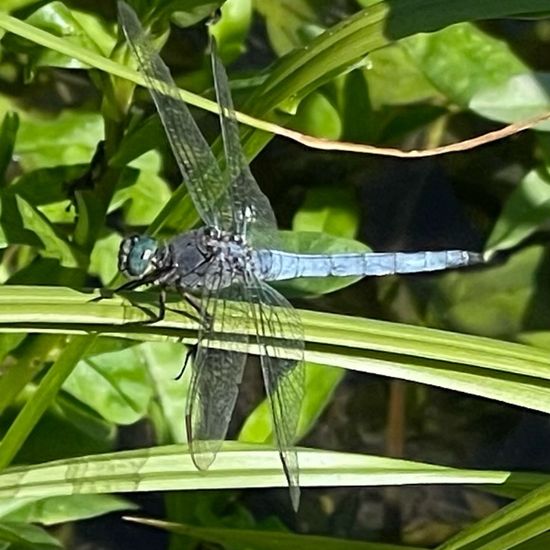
point(252, 213)
point(280, 339)
point(200, 170)
point(217, 373)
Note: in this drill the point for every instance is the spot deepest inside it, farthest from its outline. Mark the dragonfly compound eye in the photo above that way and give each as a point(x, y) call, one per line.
point(136, 255)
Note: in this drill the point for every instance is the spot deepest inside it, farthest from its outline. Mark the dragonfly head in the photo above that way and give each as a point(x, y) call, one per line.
point(136, 255)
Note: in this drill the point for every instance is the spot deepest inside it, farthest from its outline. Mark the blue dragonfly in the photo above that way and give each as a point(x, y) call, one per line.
point(224, 269)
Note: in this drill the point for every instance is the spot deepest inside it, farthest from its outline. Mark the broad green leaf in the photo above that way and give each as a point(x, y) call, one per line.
point(164, 361)
point(429, 15)
point(54, 510)
point(69, 138)
point(392, 64)
point(527, 208)
point(462, 60)
point(74, 26)
point(317, 243)
point(332, 210)
point(188, 12)
point(140, 191)
point(97, 433)
point(289, 23)
point(55, 246)
point(316, 116)
point(231, 29)
point(520, 97)
point(321, 382)
point(22, 536)
point(144, 200)
point(122, 388)
point(103, 259)
point(12, 222)
point(499, 300)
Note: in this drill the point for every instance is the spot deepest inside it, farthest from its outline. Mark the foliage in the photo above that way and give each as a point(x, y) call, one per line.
point(83, 160)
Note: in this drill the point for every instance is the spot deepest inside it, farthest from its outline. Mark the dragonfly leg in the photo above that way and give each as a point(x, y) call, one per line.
point(131, 285)
point(190, 355)
point(109, 293)
point(197, 316)
point(162, 308)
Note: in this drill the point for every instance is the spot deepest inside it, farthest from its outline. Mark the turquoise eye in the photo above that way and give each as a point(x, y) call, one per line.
point(135, 255)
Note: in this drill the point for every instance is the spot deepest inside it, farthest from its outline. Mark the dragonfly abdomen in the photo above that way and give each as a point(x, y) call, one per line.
point(278, 266)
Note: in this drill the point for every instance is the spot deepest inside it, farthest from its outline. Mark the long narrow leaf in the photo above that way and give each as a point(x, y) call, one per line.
point(504, 371)
point(238, 465)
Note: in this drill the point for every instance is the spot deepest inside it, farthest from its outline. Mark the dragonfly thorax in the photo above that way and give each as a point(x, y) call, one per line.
point(205, 257)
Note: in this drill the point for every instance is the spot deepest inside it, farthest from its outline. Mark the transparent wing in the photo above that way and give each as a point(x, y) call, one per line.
point(280, 338)
point(217, 373)
point(198, 165)
point(253, 215)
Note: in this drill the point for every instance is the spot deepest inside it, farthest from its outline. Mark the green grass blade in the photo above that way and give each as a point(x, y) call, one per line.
point(266, 540)
point(238, 465)
point(514, 524)
point(508, 372)
point(45, 394)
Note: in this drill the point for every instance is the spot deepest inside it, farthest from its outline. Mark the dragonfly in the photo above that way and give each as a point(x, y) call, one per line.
point(225, 268)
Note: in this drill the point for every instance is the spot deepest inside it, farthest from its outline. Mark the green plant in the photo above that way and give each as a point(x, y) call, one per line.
point(370, 77)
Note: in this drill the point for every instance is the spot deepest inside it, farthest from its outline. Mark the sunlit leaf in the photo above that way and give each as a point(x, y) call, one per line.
point(518, 98)
point(391, 64)
point(316, 116)
point(527, 208)
point(23, 536)
point(103, 258)
point(499, 301)
point(78, 27)
point(164, 361)
point(50, 511)
point(69, 138)
point(231, 29)
point(462, 60)
point(331, 210)
point(55, 246)
point(122, 389)
point(237, 466)
point(288, 23)
point(189, 12)
point(321, 382)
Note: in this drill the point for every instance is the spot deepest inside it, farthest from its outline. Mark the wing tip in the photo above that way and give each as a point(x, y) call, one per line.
point(295, 492)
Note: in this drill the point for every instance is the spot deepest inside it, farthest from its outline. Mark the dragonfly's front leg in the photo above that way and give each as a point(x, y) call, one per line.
point(190, 355)
point(132, 285)
point(203, 320)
